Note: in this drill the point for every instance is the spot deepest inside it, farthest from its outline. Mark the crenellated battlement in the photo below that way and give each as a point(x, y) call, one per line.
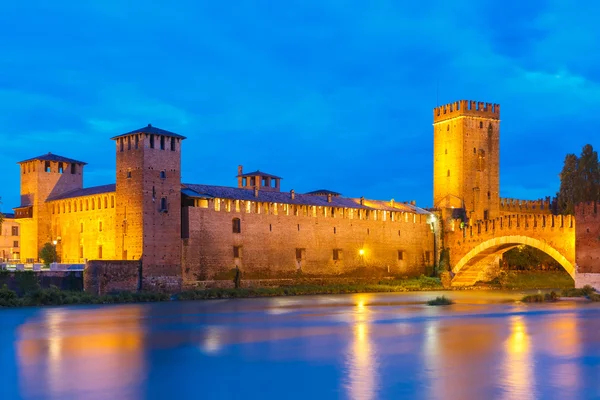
point(587, 210)
point(517, 223)
point(466, 108)
point(541, 206)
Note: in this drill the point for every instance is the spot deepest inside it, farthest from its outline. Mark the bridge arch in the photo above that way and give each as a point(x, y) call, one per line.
point(496, 246)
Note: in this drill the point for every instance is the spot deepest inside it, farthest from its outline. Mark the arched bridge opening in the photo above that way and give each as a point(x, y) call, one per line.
point(473, 265)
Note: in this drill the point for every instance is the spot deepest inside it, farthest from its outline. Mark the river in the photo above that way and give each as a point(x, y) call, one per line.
point(362, 346)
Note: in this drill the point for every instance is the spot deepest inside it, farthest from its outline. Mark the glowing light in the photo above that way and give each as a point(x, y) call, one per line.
point(361, 252)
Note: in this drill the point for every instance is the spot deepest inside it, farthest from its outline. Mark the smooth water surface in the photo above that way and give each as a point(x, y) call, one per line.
point(363, 346)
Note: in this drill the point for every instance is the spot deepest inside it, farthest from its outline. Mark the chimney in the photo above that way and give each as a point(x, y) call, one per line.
point(255, 191)
point(240, 180)
point(362, 201)
point(392, 203)
point(292, 194)
point(329, 197)
point(413, 202)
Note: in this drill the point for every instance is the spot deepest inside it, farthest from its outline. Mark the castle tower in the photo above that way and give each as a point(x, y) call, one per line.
point(148, 197)
point(42, 178)
point(466, 161)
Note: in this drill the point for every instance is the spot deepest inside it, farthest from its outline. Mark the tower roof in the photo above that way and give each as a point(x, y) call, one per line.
point(257, 173)
point(53, 157)
point(151, 130)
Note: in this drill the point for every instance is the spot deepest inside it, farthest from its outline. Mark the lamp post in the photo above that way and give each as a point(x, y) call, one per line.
point(361, 253)
point(56, 242)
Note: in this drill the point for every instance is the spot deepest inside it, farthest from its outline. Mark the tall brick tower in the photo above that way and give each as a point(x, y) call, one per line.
point(43, 177)
point(466, 160)
point(148, 198)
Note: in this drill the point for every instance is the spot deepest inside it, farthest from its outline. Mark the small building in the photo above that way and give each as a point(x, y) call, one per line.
point(10, 239)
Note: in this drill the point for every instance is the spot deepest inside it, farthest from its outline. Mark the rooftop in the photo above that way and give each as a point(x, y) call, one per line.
point(151, 130)
point(323, 192)
point(257, 172)
point(84, 192)
point(223, 192)
point(53, 157)
point(8, 215)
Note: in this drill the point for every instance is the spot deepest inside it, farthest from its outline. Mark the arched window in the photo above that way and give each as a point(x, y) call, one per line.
point(448, 172)
point(236, 225)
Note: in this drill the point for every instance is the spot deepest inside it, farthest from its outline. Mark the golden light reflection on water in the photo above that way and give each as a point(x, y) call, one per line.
point(100, 353)
point(361, 360)
point(518, 378)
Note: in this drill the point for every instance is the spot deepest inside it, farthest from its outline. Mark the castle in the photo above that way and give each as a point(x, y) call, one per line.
point(198, 231)
point(195, 232)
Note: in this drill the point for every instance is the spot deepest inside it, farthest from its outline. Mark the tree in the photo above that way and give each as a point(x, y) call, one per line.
point(1, 217)
point(579, 180)
point(48, 254)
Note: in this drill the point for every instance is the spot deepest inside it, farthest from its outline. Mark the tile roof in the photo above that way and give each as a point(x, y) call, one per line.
point(257, 172)
point(84, 192)
point(8, 215)
point(153, 130)
point(53, 157)
point(224, 192)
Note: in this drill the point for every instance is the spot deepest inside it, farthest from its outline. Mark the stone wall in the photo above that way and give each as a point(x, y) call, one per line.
point(161, 278)
point(101, 277)
point(278, 244)
point(23, 281)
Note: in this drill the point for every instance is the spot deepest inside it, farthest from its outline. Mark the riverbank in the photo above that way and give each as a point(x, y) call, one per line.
point(34, 296)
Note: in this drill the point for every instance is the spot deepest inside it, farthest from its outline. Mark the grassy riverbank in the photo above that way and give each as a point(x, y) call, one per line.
point(525, 280)
point(34, 296)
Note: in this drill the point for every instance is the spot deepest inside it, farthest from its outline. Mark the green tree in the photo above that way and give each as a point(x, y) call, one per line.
point(1, 217)
point(48, 254)
point(579, 180)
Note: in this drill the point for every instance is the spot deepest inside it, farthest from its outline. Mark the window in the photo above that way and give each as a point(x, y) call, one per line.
point(137, 144)
point(163, 204)
point(151, 141)
point(129, 143)
point(237, 251)
point(80, 251)
point(121, 144)
point(16, 243)
point(334, 230)
point(427, 256)
point(100, 226)
point(474, 150)
point(172, 144)
point(61, 168)
point(337, 254)
point(270, 228)
point(81, 228)
point(47, 166)
point(300, 254)
point(14, 230)
point(480, 124)
point(162, 142)
point(448, 173)
point(163, 174)
point(400, 255)
point(128, 174)
point(105, 202)
point(112, 202)
point(236, 225)
point(73, 169)
point(100, 252)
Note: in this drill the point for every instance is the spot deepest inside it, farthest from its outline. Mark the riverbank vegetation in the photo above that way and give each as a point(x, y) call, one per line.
point(526, 280)
point(587, 292)
point(440, 301)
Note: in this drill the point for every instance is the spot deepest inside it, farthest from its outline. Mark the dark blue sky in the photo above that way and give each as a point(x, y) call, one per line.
point(333, 94)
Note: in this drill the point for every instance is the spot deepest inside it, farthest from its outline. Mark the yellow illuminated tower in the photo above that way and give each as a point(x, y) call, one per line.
point(466, 164)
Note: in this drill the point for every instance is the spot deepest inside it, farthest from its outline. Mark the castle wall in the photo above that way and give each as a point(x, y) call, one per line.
point(516, 206)
point(102, 277)
point(272, 238)
point(85, 225)
point(588, 238)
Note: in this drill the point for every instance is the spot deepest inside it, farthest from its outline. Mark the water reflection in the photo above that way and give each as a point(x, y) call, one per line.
point(361, 359)
point(517, 370)
point(89, 351)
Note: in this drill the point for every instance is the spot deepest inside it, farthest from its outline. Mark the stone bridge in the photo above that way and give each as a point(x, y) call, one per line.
point(476, 250)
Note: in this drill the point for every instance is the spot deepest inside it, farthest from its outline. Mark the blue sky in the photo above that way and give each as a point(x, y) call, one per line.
point(325, 93)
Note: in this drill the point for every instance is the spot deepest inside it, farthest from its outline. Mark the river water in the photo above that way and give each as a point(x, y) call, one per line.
point(362, 346)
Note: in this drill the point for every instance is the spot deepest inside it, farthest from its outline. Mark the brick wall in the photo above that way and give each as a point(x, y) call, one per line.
point(587, 232)
point(101, 277)
point(268, 243)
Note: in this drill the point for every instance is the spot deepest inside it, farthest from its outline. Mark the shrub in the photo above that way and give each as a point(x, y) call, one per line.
point(440, 301)
point(595, 297)
point(48, 254)
point(582, 292)
point(26, 281)
point(541, 298)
